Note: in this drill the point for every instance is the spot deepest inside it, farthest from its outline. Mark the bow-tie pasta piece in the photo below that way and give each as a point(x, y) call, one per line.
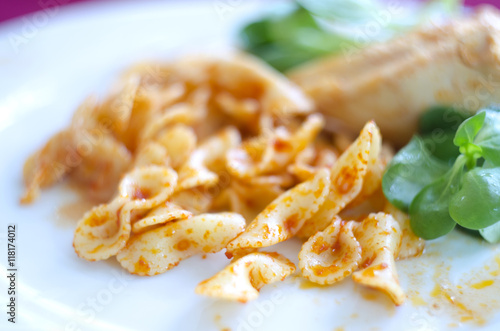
point(380, 237)
point(196, 172)
point(301, 168)
point(249, 199)
point(411, 245)
point(359, 210)
point(242, 111)
point(243, 278)
point(311, 159)
point(152, 153)
point(142, 110)
point(283, 180)
point(330, 255)
point(180, 141)
point(58, 157)
point(88, 144)
point(162, 214)
point(105, 229)
point(48, 165)
point(221, 201)
point(197, 200)
point(373, 178)
point(102, 231)
point(147, 187)
point(281, 219)
point(347, 176)
point(103, 162)
point(272, 151)
point(178, 113)
point(245, 77)
point(162, 248)
point(116, 110)
point(244, 161)
point(189, 112)
point(240, 253)
point(85, 115)
point(152, 97)
point(266, 125)
point(284, 148)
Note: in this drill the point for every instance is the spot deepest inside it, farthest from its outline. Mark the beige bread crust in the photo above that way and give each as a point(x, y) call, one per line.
point(393, 82)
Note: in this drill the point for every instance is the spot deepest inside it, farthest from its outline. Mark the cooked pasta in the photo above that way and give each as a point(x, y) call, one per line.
point(347, 177)
point(162, 248)
point(242, 279)
point(379, 236)
point(281, 219)
point(332, 254)
point(206, 154)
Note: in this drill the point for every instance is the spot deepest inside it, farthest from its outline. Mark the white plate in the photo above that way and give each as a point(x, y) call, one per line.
point(48, 64)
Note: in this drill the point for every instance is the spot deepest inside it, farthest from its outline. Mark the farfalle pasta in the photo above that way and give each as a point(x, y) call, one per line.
point(243, 278)
point(281, 219)
point(195, 171)
point(162, 248)
point(313, 158)
point(344, 247)
point(347, 177)
point(272, 151)
point(203, 155)
point(411, 245)
point(165, 213)
point(380, 238)
point(106, 229)
point(102, 231)
point(248, 199)
point(332, 254)
point(179, 141)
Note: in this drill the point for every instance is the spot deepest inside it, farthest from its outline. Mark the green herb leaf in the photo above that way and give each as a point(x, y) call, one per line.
point(429, 215)
point(488, 139)
point(411, 169)
point(468, 130)
point(283, 56)
point(285, 41)
point(471, 200)
point(440, 145)
point(343, 10)
point(473, 233)
point(477, 204)
point(442, 118)
point(491, 233)
point(256, 33)
point(314, 28)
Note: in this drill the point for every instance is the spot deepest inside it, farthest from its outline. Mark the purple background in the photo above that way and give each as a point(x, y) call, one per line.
point(15, 8)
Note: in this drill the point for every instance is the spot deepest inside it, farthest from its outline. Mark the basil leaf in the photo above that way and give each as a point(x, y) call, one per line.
point(477, 204)
point(411, 169)
point(468, 130)
point(442, 117)
point(429, 215)
point(491, 233)
point(488, 139)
